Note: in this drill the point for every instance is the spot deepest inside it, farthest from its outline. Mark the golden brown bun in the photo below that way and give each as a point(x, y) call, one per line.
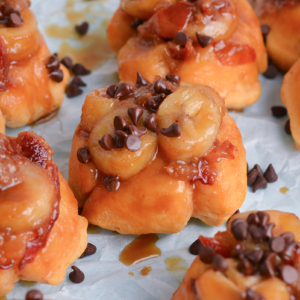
point(232, 70)
point(231, 284)
point(290, 96)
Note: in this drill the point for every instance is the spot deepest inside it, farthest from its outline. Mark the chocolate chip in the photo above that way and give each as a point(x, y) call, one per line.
point(123, 90)
point(84, 155)
point(260, 183)
point(160, 86)
point(120, 123)
point(245, 267)
point(34, 295)
point(77, 81)
point(56, 75)
point(135, 114)
point(288, 237)
point(239, 229)
point(76, 276)
point(237, 250)
point(67, 62)
point(180, 38)
point(207, 254)
point(172, 131)
point(288, 274)
point(269, 230)
point(82, 28)
point(253, 219)
point(73, 90)
point(139, 132)
point(251, 177)
point(53, 63)
point(271, 71)
point(107, 142)
point(258, 168)
point(89, 250)
point(195, 247)
point(277, 244)
point(8, 10)
point(151, 123)
point(79, 69)
point(267, 267)
point(287, 127)
point(120, 138)
point(279, 111)
point(270, 174)
point(112, 183)
point(263, 217)
point(175, 79)
point(136, 23)
point(257, 233)
point(140, 80)
point(133, 143)
point(203, 40)
point(219, 263)
point(154, 102)
point(254, 256)
point(111, 90)
point(250, 295)
point(14, 20)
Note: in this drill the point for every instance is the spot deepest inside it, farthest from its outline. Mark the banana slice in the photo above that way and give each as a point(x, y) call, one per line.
point(23, 40)
point(198, 110)
point(121, 161)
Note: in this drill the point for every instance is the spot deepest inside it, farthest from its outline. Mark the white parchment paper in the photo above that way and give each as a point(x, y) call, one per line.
point(105, 276)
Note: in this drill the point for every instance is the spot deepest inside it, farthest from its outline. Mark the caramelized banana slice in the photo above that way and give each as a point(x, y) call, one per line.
point(198, 110)
point(23, 40)
point(121, 161)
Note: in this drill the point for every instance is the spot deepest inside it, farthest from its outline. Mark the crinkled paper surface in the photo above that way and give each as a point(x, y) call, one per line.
point(263, 135)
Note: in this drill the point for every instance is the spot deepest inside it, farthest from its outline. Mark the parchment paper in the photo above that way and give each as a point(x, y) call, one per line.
point(105, 276)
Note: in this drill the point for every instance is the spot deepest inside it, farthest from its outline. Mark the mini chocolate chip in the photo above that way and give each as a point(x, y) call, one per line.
point(250, 295)
point(219, 263)
point(279, 111)
point(111, 90)
point(154, 102)
point(254, 256)
point(89, 250)
point(139, 132)
point(277, 244)
point(34, 295)
point(151, 123)
point(120, 138)
point(135, 114)
point(133, 143)
point(107, 142)
point(253, 219)
point(67, 62)
point(141, 80)
point(112, 183)
point(239, 229)
point(77, 81)
point(73, 90)
point(180, 38)
point(84, 155)
point(271, 71)
point(195, 247)
point(257, 233)
point(79, 69)
point(270, 174)
point(136, 23)
point(160, 86)
point(53, 63)
point(207, 254)
point(8, 10)
point(175, 79)
point(260, 183)
point(267, 267)
point(263, 217)
point(258, 168)
point(56, 75)
point(203, 40)
point(237, 250)
point(120, 123)
point(269, 230)
point(76, 276)
point(288, 237)
point(123, 90)
point(288, 274)
point(82, 28)
point(245, 267)
point(14, 20)
point(287, 127)
point(251, 177)
point(172, 131)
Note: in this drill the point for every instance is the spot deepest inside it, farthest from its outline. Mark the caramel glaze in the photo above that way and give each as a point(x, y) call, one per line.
point(20, 247)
